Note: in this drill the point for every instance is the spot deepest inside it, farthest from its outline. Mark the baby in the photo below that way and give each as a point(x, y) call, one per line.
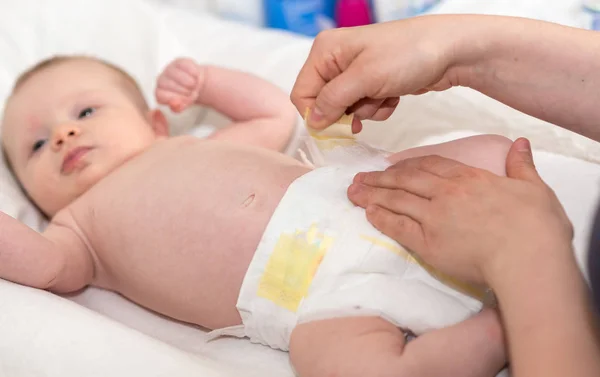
point(229, 236)
point(262, 113)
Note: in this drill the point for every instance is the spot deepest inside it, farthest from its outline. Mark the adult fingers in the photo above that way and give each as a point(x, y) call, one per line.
point(403, 229)
point(386, 109)
point(519, 162)
point(395, 200)
point(365, 108)
point(308, 84)
point(374, 109)
point(337, 96)
point(356, 125)
point(402, 176)
point(331, 53)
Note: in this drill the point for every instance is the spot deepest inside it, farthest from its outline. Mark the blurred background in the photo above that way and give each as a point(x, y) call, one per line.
point(309, 17)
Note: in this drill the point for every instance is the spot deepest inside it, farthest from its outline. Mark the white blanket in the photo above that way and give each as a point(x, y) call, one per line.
point(46, 335)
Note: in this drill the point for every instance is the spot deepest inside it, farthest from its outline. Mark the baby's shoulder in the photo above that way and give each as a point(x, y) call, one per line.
point(68, 218)
point(182, 140)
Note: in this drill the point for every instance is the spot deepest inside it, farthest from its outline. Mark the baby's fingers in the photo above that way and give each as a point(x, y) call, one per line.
point(164, 96)
point(166, 82)
point(188, 66)
point(179, 104)
point(184, 78)
point(176, 102)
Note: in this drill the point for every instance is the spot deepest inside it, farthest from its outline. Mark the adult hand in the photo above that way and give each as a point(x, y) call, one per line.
point(509, 232)
point(465, 221)
point(366, 69)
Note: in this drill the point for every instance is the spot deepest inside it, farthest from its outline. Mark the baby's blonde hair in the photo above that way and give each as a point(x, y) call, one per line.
point(128, 80)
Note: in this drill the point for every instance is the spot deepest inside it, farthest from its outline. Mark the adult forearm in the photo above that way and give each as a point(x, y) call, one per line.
point(546, 70)
point(547, 314)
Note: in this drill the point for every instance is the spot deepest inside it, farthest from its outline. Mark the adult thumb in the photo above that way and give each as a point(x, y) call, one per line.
point(519, 162)
point(337, 96)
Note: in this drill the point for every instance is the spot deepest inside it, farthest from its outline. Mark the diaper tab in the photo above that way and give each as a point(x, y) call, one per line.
point(235, 331)
point(340, 130)
point(336, 144)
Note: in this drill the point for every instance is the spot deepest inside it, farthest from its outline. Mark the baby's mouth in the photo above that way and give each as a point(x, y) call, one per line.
point(73, 159)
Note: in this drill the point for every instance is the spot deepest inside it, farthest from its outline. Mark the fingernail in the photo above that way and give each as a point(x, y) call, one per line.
point(356, 126)
point(523, 145)
point(360, 177)
point(316, 116)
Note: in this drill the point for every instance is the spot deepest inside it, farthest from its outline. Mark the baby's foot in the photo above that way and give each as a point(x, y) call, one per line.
point(179, 85)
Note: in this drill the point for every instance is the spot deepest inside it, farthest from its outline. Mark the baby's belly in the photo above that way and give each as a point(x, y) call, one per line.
point(176, 229)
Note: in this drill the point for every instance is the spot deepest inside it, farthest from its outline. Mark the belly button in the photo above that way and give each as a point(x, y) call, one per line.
point(249, 200)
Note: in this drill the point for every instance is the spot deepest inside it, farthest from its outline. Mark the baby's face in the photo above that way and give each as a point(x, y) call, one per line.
point(68, 126)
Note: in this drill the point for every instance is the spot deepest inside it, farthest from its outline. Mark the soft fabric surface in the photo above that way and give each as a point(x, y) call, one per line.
point(46, 335)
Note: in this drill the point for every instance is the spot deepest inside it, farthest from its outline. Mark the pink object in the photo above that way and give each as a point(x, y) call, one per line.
point(352, 13)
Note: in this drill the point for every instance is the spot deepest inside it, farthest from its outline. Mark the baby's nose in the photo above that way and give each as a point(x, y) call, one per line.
point(62, 133)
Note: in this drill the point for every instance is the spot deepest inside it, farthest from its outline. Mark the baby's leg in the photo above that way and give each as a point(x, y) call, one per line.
point(482, 151)
point(371, 346)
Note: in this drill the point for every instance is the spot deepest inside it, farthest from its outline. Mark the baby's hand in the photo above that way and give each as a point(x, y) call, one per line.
point(179, 85)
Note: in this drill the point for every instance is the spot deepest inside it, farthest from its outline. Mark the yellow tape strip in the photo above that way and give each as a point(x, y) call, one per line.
point(341, 129)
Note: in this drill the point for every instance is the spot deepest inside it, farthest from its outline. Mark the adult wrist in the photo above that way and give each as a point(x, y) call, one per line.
point(509, 270)
point(476, 42)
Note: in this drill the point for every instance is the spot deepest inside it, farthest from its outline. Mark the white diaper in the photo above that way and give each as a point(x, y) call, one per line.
point(320, 258)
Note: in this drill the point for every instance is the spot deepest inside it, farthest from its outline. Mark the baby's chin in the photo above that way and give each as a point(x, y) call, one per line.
point(90, 177)
point(83, 182)
point(77, 184)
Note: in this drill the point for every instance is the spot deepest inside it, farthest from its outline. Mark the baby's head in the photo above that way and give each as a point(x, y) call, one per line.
point(69, 122)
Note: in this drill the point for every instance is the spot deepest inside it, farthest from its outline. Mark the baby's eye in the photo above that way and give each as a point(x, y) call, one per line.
point(88, 111)
point(38, 144)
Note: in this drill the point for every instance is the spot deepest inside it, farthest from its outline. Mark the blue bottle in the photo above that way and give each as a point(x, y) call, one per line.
point(329, 8)
point(307, 17)
point(591, 14)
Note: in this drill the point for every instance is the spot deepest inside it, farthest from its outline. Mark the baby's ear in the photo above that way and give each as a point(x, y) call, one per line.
point(158, 122)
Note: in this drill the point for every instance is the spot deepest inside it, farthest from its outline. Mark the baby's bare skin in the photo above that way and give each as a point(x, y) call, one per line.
point(173, 223)
point(176, 227)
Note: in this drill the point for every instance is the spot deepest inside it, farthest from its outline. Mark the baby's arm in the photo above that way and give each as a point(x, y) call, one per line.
point(56, 260)
point(261, 112)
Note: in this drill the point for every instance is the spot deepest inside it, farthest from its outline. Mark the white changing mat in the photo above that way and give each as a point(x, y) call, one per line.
point(46, 335)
